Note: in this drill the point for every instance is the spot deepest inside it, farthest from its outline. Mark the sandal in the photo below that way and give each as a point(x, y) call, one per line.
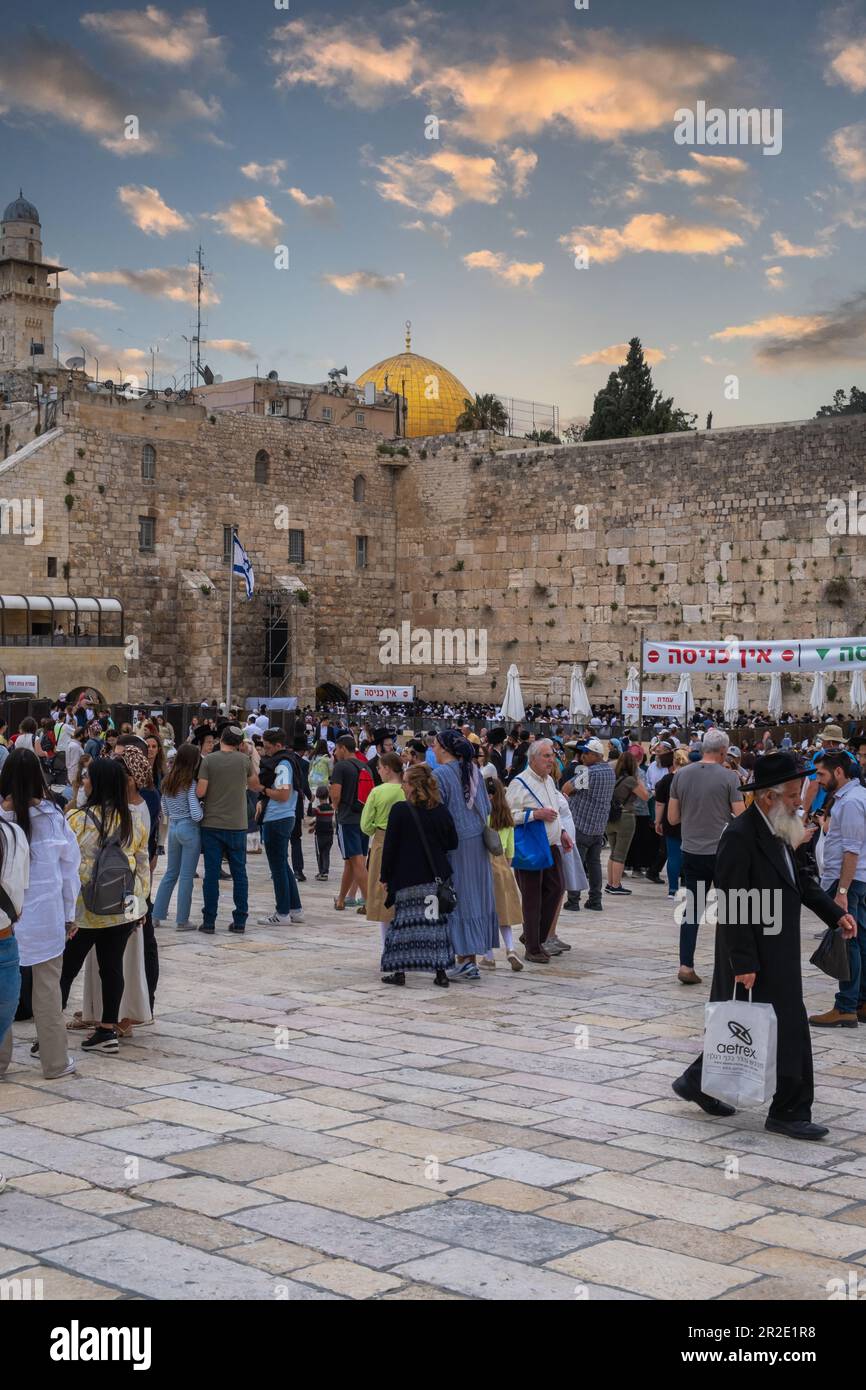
point(339, 907)
point(78, 1024)
point(124, 1027)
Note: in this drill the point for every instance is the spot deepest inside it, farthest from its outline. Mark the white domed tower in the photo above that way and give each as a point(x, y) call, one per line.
point(27, 297)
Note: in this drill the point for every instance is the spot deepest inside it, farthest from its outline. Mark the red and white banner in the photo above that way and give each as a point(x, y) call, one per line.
point(383, 694)
point(756, 657)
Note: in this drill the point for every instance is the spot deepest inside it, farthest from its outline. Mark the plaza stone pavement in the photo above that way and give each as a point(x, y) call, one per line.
point(290, 1128)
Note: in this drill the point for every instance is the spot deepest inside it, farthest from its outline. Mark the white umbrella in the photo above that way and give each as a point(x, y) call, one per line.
point(858, 693)
point(513, 707)
point(579, 707)
point(774, 704)
point(818, 697)
point(732, 698)
point(685, 688)
point(632, 685)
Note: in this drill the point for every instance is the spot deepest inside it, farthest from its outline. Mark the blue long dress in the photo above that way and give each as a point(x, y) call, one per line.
point(473, 926)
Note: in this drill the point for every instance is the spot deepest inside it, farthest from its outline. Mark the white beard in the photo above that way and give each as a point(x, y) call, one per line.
point(787, 825)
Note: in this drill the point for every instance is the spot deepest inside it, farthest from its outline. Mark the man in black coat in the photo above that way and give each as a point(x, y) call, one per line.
point(758, 938)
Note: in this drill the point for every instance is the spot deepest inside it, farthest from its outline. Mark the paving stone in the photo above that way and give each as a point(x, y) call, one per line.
point(300, 1113)
point(598, 1155)
point(187, 1227)
point(350, 1280)
point(478, 1226)
point(77, 1117)
point(434, 1176)
point(336, 1234)
point(410, 1139)
point(625, 1265)
point(208, 1196)
point(213, 1093)
point(275, 1256)
point(154, 1139)
point(58, 1285)
point(703, 1178)
point(515, 1196)
point(307, 1143)
point(81, 1157)
point(11, 1260)
point(36, 1224)
point(239, 1162)
point(479, 1275)
point(797, 1265)
point(810, 1233)
point(19, 1097)
point(185, 1113)
point(527, 1166)
point(99, 1202)
point(595, 1216)
point(685, 1239)
point(636, 1193)
point(421, 1293)
point(777, 1291)
point(159, 1268)
point(48, 1184)
point(344, 1099)
point(806, 1200)
point(343, 1189)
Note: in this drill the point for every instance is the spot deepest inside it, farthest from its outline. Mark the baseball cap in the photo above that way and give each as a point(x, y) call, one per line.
point(594, 745)
point(734, 752)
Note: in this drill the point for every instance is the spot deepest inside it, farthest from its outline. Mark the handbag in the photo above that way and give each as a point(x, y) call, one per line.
point(492, 842)
point(832, 955)
point(444, 886)
point(531, 846)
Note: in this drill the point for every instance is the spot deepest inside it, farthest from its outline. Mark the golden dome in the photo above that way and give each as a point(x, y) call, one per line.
point(434, 396)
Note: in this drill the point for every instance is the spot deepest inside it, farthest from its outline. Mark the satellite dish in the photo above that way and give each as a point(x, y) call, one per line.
point(273, 376)
point(92, 386)
point(182, 395)
point(168, 391)
point(109, 385)
point(74, 363)
point(208, 376)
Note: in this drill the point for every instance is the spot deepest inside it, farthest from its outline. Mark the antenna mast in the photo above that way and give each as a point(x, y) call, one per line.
point(199, 285)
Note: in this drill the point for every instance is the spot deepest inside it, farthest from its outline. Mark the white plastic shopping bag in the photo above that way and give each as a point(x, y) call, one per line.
point(740, 1052)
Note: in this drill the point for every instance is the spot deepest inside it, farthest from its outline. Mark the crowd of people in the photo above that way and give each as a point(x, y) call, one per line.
point(452, 843)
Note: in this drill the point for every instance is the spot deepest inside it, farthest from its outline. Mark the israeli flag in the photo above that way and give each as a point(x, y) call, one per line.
point(241, 565)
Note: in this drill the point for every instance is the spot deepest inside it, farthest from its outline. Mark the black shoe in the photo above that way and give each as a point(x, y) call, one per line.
point(398, 978)
point(300, 876)
point(225, 877)
point(571, 905)
point(34, 1050)
point(102, 1040)
point(441, 979)
point(593, 907)
point(712, 1106)
point(235, 928)
point(654, 878)
point(208, 931)
point(796, 1129)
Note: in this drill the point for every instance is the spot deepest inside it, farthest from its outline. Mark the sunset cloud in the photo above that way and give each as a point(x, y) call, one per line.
point(236, 346)
point(158, 37)
point(847, 61)
point(523, 164)
point(174, 282)
point(434, 229)
point(649, 167)
point(509, 272)
point(356, 65)
point(656, 232)
point(615, 355)
point(147, 210)
point(114, 361)
point(250, 220)
point(440, 182)
point(265, 173)
point(89, 301)
point(847, 151)
point(783, 247)
point(320, 206)
point(775, 277)
point(356, 280)
point(781, 327)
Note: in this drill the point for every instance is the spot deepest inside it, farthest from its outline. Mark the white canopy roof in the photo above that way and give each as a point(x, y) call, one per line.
point(63, 603)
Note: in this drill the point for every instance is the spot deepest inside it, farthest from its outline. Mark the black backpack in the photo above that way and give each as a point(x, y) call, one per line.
point(111, 883)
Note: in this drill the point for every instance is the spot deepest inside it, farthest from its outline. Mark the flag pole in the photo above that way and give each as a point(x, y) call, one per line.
point(231, 615)
point(640, 685)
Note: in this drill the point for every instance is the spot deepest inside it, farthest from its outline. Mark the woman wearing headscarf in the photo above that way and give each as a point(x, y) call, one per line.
point(473, 925)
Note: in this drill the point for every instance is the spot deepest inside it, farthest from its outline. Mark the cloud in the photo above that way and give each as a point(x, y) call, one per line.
point(356, 280)
point(787, 327)
point(597, 88)
point(319, 206)
point(510, 272)
point(356, 64)
point(199, 107)
point(837, 335)
point(113, 360)
point(519, 233)
point(250, 220)
point(726, 205)
point(147, 210)
point(154, 35)
point(265, 173)
point(523, 163)
point(650, 232)
point(616, 354)
point(649, 167)
point(434, 229)
point(847, 60)
point(847, 151)
point(88, 301)
point(44, 78)
point(174, 282)
point(440, 182)
point(775, 277)
point(783, 247)
point(236, 346)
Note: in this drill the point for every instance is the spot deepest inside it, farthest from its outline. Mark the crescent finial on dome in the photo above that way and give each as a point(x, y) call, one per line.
point(408, 335)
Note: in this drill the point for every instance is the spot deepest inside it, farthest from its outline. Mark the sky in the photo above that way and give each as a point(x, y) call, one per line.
point(512, 178)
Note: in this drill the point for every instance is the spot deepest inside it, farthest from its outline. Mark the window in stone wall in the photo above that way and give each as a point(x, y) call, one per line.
point(360, 552)
point(52, 566)
point(359, 417)
point(296, 547)
point(327, 413)
point(263, 466)
point(147, 534)
point(227, 543)
point(148, 463)
point(359, 488)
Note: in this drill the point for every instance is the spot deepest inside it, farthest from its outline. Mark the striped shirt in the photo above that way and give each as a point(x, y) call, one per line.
point(183, 806)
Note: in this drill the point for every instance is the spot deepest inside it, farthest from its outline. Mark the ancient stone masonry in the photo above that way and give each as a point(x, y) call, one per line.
point(558, 554)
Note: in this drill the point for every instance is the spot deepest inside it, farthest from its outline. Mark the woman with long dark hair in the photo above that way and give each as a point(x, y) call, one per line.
point(14, 876)
point(418, 836)
point(474, 925)
point(105, 816)
point(184, 837)
point(48, 910)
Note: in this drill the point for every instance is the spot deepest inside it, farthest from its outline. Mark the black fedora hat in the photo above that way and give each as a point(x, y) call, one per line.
point(773, 769)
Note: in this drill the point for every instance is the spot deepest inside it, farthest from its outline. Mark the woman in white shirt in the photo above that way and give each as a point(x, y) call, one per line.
point(48, 906)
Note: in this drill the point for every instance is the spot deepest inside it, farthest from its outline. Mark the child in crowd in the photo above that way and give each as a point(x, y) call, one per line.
point(323, 829)
point(509, 907)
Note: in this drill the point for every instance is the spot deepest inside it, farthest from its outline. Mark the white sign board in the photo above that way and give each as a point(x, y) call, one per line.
point(661, 704)
point(382, 694)
point(22, 685)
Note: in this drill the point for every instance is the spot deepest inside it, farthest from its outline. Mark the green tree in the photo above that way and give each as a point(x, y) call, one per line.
point(484, 413)
point(543, 437)
point(854, 405)
point(630, 404)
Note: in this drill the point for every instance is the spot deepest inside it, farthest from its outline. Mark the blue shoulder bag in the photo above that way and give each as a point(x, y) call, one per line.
point(531, 845)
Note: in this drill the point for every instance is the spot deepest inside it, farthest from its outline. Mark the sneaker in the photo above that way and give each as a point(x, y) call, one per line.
point(555, 941)
point(159, 924)
point(487, 964)
point(513, 961)
point(239, 931)
point(188, 926)
point(101, 1040)
point(300, 876)
point(571, 905)
point(297, 917)
point(321, 878)
point(551, 948)
point(466, 971)
point(67, 1070)
point(34, 1049)
point(208, 931)
point(593, 907)
point(617, 892)
point(653, 878)
point(276, 919)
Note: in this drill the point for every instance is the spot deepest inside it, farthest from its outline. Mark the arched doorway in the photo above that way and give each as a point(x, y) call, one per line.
point(92, 695)
point(331, 694)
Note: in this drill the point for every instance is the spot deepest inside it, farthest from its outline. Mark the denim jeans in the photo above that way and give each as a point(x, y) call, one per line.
point(277, 835)
point(675, 861)
point(10, 983)
point(184, 848)
point(852, 993)
point(698, 874)
point(234, 843)
point(589, 849)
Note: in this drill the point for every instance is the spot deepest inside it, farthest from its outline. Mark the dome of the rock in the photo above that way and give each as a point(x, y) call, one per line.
point(434, 396)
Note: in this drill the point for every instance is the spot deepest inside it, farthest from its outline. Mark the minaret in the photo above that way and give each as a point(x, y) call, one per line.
point(27, 297)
